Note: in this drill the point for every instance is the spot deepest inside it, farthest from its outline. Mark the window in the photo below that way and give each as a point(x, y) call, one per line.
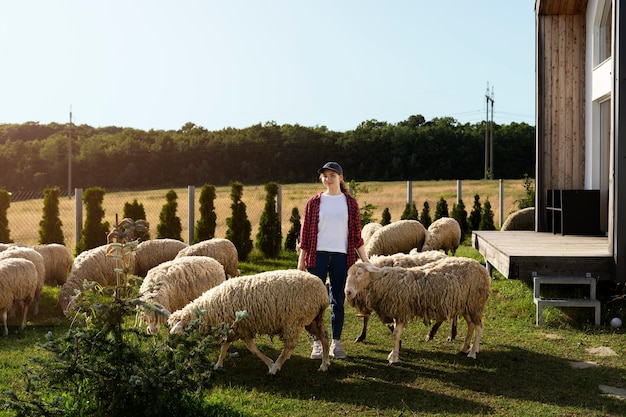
point(604, 32)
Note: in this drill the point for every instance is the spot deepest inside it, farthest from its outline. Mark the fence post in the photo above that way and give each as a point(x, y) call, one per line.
point(501, 202)
point(459, 191)
point(279, 205)
point(191, 199)
point(409, 192)
point(78, 208)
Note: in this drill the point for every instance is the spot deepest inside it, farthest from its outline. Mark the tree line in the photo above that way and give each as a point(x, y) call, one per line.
point(35, 156)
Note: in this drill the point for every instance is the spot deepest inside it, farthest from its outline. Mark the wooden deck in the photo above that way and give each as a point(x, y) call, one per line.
point(516, 254)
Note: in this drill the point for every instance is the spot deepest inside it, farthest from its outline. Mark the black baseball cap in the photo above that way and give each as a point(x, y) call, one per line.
point(333, 166)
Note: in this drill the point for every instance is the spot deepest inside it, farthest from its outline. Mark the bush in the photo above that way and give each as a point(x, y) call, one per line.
point(385, 218)
point(205, 227)
point(486, 220)
point(136, 211)
point(169, 223)
point(294, 231)
point(425, 218)
point(239, 227)
point(441, 210)
point(94, 232)
point(476, 214)
point(269, 236)
point(410, 212)
point(5, 203)
point(460, 215)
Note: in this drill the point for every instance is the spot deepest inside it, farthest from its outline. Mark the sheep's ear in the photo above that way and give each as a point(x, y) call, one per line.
point(371, 268)
point(177, 328)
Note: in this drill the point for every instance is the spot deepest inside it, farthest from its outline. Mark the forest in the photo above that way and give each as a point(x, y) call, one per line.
point(35, 156)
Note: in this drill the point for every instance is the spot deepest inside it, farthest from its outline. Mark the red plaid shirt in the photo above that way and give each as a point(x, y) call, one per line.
point(308, 232)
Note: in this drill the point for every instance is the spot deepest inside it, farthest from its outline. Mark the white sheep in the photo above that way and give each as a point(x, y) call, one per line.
point(440, 290)
point(368, 230)
point(523, 219)
point(277, 303)
point(175, 283)
point(18, 285)
point(91, 265)
point(399, 236)
point(40, 269)
point(400, 260)
point(58, 261)
point(151, 253)
point(222, 250)
point(443, 234)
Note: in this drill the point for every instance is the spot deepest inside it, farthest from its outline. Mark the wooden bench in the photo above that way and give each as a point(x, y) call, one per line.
point(590, 302)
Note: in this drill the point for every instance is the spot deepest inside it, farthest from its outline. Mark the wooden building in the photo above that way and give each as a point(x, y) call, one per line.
point(580, 143)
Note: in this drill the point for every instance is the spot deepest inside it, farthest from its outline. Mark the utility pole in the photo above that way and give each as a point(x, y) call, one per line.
point(69, 158)
point(489, 134)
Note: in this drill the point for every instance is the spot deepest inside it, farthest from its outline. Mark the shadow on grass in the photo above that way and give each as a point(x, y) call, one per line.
point(433, 382)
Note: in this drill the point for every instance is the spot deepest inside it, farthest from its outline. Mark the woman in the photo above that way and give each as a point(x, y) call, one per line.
point(330, 239)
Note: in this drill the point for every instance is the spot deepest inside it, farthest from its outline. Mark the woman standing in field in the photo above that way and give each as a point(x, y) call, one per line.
point(330, 239)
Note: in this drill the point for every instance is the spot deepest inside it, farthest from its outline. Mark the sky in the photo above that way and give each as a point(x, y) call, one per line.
point(156, 64)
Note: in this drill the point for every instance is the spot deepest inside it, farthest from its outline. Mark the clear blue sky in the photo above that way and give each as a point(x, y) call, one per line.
point(154, 64)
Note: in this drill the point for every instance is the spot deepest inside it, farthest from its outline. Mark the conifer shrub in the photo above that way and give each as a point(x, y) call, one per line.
point(410, 212)
point(294, 231)
point(385, 218)
point(50, 226)
point(94, 232)
point(239, 227)
point(5, 203)
point(169, 223)
point(425, 218)
point(269, 236)
point(476, 214)
point(441, 209)
point(486, 219)
point(136, 211)
point(205, 226)
point(460, 215)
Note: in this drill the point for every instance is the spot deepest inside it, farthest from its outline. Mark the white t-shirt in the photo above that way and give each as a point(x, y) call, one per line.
point(332, 235)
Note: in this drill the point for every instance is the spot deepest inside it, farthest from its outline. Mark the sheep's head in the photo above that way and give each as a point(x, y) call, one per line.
point(358, 279)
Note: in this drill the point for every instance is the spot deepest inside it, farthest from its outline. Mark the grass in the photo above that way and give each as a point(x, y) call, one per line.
point(521, 370)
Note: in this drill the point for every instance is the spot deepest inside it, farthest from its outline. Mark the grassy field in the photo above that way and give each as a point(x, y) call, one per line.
point(24, 216)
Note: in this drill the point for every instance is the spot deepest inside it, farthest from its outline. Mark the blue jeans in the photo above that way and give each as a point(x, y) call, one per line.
point(334, 265)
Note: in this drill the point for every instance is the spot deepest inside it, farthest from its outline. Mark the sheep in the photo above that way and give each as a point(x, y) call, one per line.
point(175, 283)
point(277, 303)
point(57, 260)
point(401, 260)
point(443, 234)
point(223, 250)
point(523, 219)
point(399, 236)
point(36, 258)
point(154, 252)
point(439, 290)
point(368, 230)
point(18, 286)
point(91, 265)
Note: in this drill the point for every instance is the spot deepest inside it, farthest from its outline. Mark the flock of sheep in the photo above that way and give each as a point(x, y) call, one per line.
point(410, 277)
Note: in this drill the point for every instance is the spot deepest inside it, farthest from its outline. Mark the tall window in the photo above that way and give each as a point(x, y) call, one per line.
point(604, 32)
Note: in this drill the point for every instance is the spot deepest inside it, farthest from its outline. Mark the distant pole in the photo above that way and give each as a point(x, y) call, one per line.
point(491, 137)
point(191, 199)
point(409, 192)
point(69, 158)
point(488, 134)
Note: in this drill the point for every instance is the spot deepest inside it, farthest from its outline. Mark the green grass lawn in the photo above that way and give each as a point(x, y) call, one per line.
point(521, 370)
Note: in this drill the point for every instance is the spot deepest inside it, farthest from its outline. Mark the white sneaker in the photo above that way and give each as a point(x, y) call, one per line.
point(336, 351)
point(316, 353)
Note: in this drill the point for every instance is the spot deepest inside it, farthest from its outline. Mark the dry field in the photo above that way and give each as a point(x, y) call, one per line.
point(24, 216)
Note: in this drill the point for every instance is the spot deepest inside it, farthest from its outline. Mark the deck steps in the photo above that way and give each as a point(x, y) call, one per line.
point(541, 302)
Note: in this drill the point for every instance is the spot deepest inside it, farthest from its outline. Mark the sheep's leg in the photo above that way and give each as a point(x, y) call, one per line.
point(470, 330)
point(220, 361)
point(363, 334)
point(289, 346)
point(433, 330)
point(476, 345)
point(452, 334)
point(317, 329)
point(24, 313)
point(394, 356)
point(4, 320)
point(252, 348)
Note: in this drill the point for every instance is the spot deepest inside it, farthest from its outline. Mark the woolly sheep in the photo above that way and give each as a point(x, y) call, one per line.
point(368, 230)
point(399, 236)
point(443, 234)
point(40, 269)
point(439, 291)
point(90, 265)
point(523, 219)
point(57, 260)
point(223, 250)
point(277, 303)
point(175, 283)
point(18, 285)
point(400, 260)
point(154, 252)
